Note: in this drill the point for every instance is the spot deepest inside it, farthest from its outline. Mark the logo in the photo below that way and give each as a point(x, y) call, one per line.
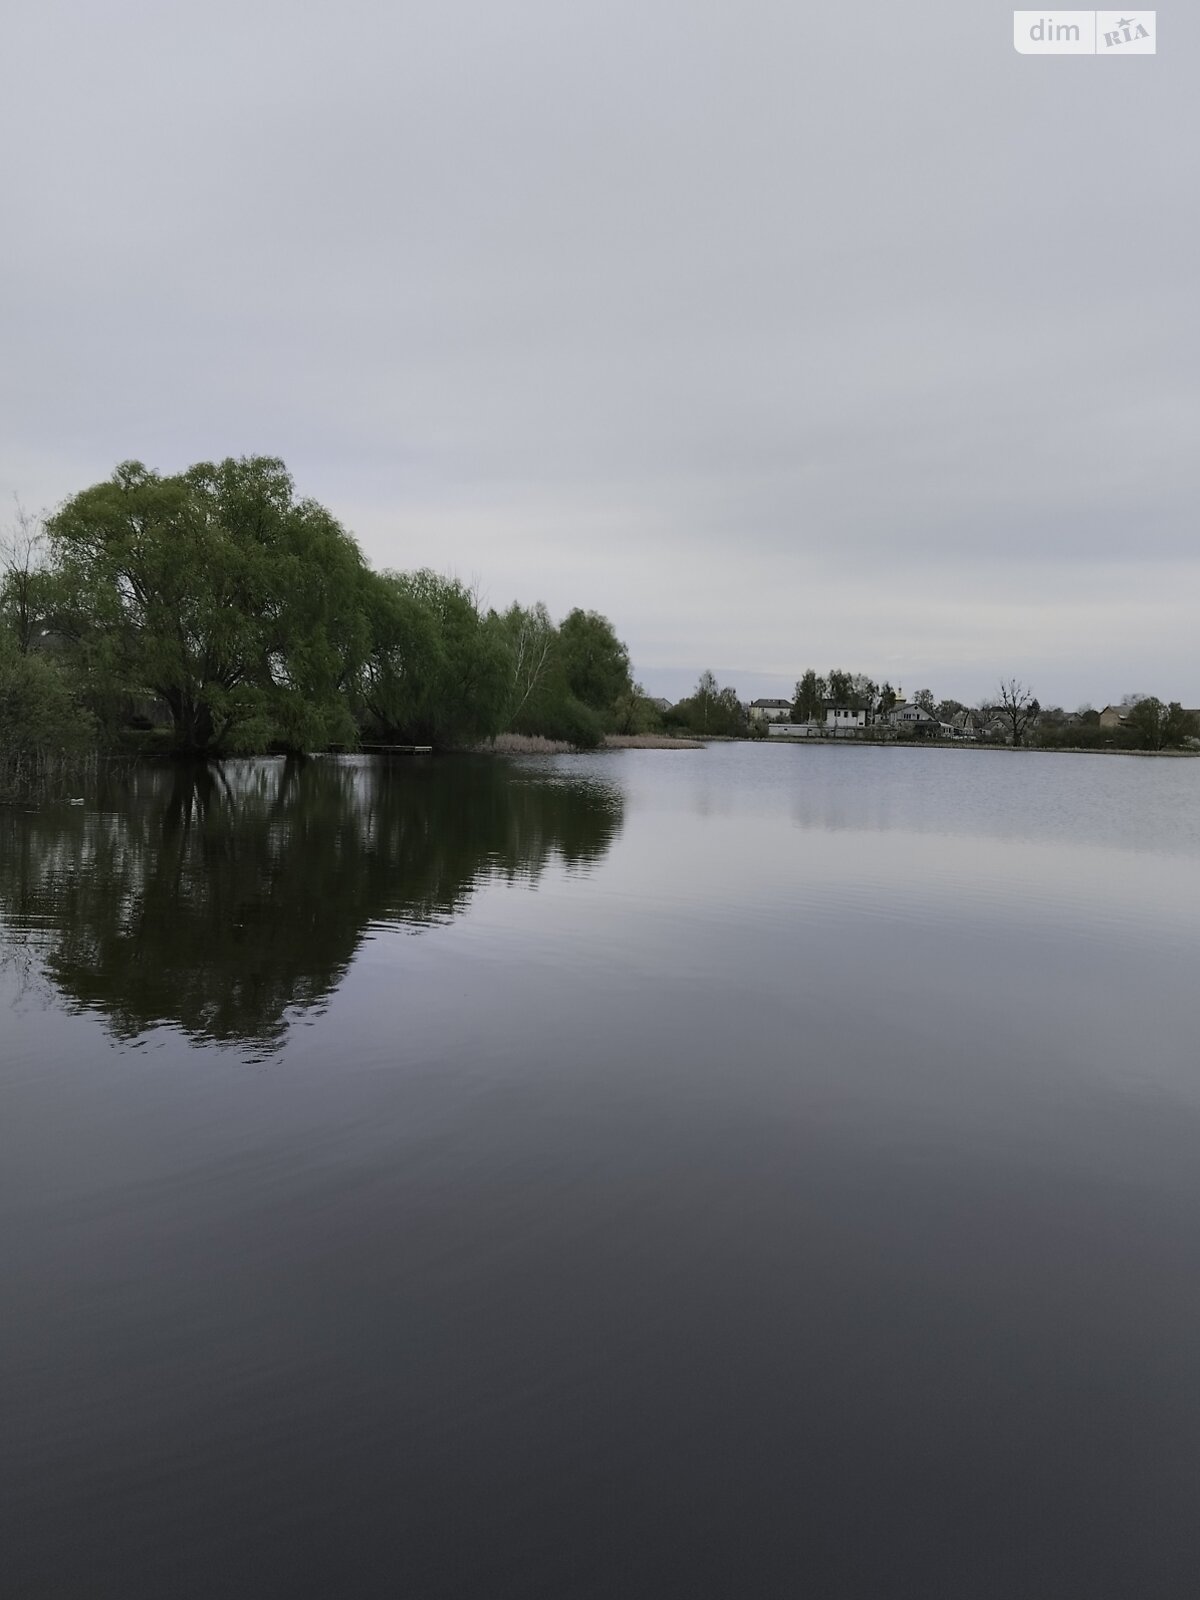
point(1131, 35)
point(1084, 33)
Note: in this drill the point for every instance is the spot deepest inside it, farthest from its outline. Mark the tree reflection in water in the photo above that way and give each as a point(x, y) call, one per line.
point(225, 900)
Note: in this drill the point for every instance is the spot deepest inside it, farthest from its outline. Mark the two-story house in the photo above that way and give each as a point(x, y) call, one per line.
point(770, 710)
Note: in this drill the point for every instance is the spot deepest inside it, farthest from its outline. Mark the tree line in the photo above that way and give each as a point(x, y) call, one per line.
point(246, 618)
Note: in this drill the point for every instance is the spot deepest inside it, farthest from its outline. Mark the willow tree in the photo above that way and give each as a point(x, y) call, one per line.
point(219, 591)
point(435, 669)
point(595, 661)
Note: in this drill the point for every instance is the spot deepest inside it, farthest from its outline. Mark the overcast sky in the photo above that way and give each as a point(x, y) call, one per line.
point(783, 335)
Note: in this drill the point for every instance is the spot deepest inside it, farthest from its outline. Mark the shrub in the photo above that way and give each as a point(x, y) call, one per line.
point(37, 710)
point(46, 741)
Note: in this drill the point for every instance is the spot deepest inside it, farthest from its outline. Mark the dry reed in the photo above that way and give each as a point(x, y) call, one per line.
point(525, 744)
point(45, 774)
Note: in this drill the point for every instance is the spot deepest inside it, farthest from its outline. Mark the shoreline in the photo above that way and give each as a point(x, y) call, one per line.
point(974, 744)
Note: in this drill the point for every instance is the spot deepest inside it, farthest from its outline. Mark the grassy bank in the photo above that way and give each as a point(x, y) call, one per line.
point(649, 741)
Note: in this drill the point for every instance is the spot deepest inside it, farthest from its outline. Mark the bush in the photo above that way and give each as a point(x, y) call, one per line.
point(37, 710)
point(567, 719)
point(46, 741)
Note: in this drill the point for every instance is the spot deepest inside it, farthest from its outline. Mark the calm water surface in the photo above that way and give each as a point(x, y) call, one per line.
point(753, 1171)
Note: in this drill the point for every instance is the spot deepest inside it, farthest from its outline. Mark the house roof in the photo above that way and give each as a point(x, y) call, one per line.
point(772, 705)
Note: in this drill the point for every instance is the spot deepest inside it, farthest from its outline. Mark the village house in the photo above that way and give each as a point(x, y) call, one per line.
point(845, 719)
point(1118, 716)
point(916, 721)
point(770, 710)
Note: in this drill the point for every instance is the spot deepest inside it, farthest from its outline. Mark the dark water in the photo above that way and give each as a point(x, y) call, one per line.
point(755, 1171)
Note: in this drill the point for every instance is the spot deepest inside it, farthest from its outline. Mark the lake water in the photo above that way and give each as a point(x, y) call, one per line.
point(752, 1171)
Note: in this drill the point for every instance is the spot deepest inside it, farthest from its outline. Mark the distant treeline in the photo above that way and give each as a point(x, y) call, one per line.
point(1012, 715)
point(223, 614)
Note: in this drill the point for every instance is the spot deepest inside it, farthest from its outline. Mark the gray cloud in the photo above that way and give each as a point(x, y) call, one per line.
point(785, 337)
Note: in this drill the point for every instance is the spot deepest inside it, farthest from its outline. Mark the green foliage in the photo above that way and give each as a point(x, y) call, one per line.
point(219, 591)
point(811, 692)
point(45, 738)
point(853, 689)
point(534, 665)
point(37, 709)
point(1156, 726)
point(468, 686)
point(595, 662)
point(571, 720)
point(711, 711)
point(435, 671)
point(252, 618)
point(840, 686)
point(1181, 726)
point(571, 682)
point(25, 592)
point(1083, 736)
point(634, 712)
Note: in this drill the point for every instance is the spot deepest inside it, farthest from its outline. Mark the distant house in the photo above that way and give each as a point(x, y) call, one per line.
point(843, 719)
point(1114, 716)
point(657, 702)
point(48, 642)
point(915, 720)
point(770, 710)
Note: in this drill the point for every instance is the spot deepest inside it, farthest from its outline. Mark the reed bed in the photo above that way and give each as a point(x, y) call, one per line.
point(526, 744)
point(41, 775)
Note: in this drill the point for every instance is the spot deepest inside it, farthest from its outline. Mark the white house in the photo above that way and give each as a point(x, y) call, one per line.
point(843, 718)
point(770, 710)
